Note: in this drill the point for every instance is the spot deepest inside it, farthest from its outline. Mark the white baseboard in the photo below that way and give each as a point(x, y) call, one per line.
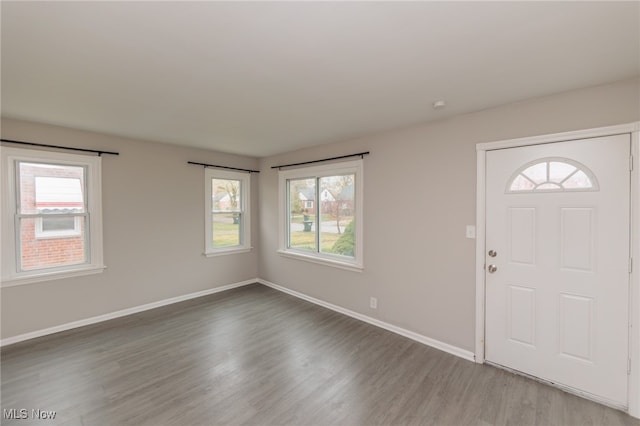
point(121, 313)
point(453, 350)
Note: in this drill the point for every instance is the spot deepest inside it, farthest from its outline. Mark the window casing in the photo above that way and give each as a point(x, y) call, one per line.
point(321, 210)
point(227, 212)
point(51, 216)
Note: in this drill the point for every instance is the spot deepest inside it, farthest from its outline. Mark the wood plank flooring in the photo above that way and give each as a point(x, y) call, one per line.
point(256, 356)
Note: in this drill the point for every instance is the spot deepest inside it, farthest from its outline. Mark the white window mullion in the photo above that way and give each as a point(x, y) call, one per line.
point(317, 214)
point(17, 243)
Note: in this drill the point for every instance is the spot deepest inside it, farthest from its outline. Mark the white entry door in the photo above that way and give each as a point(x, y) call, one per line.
point(557, 263)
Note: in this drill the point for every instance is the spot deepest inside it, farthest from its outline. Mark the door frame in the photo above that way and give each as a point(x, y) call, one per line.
point(634, 277)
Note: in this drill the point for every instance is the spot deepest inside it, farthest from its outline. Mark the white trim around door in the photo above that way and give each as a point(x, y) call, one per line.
point(634, 290)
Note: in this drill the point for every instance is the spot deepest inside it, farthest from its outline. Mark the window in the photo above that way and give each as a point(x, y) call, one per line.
point(51, 216)
point(57, 198)
point(227, 223)
point(57, 226)
point(328, 231)
point(552, 175)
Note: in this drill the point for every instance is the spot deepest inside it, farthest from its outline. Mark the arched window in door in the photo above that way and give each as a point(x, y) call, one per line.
point(552, 174)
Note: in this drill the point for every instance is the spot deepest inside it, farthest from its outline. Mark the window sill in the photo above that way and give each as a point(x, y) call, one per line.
point(226, 252)
point(322, 261)
point(50, 276)
point(44, 236)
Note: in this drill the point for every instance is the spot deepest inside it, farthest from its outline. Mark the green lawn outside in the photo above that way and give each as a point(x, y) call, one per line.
point(306, 240)
point(226, 234)
point(299, 218)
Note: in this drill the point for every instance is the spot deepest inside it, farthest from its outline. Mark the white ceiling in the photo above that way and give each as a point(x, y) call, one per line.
point(268, 77)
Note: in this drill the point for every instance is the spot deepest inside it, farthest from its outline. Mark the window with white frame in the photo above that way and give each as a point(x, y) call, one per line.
point(51, 215)
point(329, 230)
point(552, 174)
point(60, 199)
point(58, 226)
point(227, 213)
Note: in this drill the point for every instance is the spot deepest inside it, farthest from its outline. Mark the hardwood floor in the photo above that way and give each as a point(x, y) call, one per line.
point(254, 355)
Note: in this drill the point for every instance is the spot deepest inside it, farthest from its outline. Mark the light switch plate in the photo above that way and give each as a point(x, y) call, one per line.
point(471, 231)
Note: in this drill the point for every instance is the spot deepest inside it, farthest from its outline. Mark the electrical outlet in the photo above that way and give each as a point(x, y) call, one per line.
point(373, 303)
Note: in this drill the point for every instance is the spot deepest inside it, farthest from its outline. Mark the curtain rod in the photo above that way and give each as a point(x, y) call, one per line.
point(360, 154)
point(99, 152)
point(223, 167)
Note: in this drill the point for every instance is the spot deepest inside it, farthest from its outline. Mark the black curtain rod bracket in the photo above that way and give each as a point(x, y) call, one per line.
point(222, 167)
point(95, 151)
point(360, 154)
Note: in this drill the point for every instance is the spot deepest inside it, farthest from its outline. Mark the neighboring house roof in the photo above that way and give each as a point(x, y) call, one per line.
point(327, 195)
point(346, 193)
point(220, 196)
point(307, 194)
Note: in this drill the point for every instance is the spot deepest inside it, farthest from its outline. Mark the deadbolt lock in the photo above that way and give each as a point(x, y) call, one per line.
point(493, 253)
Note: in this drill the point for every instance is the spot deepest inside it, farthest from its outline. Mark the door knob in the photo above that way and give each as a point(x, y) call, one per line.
point(492, 268)
point(493, 253)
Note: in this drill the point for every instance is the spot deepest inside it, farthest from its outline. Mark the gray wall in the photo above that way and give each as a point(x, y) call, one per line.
point(418, 262)
point(153, 213)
